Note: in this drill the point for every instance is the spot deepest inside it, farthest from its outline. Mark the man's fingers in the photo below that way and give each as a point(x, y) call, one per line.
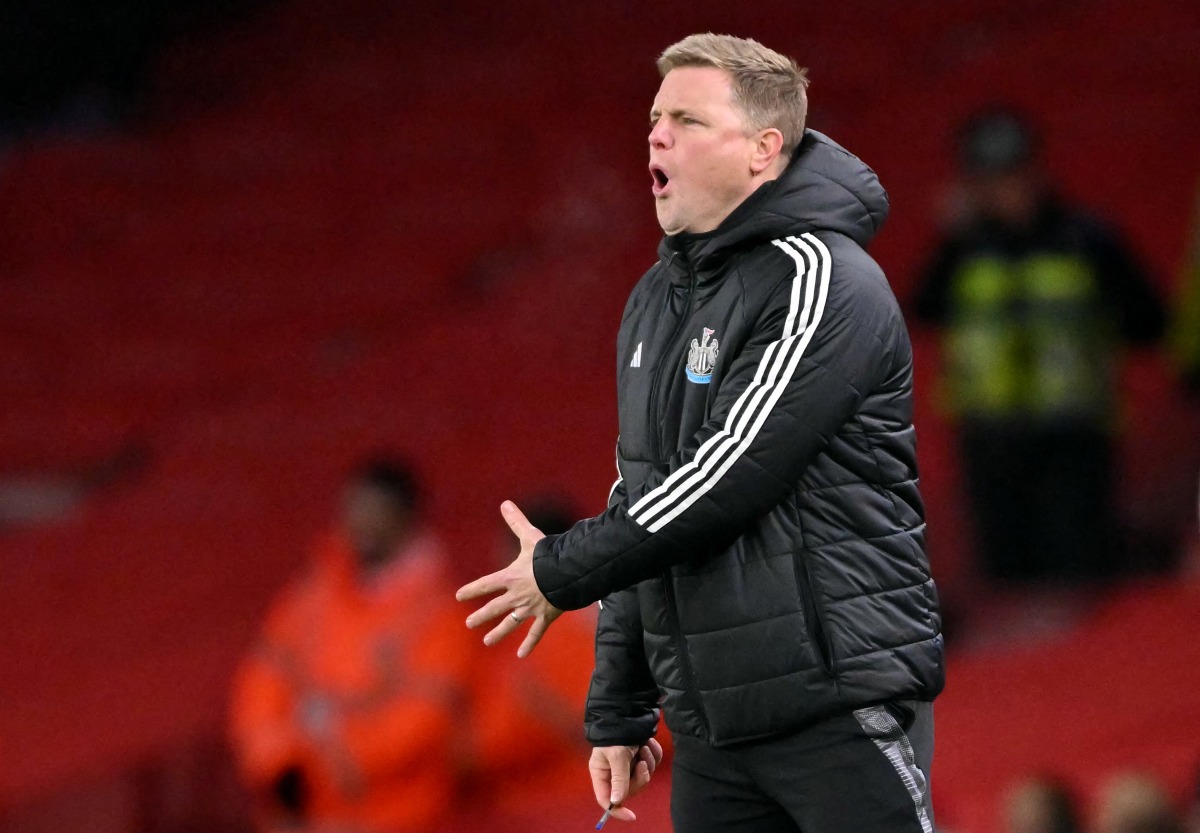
point(609, 767)
point(648, 759)
point(518, 523)
point(485, 586)
point(536, 632)
point(619, 779)
point(598, 768)
point(656, 751)
point(641, 777)
point(644, 765)
point(507, 625)
point(496, 607)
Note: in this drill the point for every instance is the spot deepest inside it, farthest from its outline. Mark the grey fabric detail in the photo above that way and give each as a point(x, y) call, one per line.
point(882, 728)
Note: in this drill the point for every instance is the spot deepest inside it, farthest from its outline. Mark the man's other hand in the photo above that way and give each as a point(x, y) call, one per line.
point(519, 598)
point(620, 772)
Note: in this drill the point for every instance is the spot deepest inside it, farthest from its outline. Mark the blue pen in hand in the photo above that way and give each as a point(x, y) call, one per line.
point(604, 818)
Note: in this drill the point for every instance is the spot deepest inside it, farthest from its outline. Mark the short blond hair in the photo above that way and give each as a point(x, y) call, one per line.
point(770, 88)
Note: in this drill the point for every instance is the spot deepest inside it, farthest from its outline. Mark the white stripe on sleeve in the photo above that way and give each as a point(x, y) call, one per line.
point(617, 458)
point(810, 289)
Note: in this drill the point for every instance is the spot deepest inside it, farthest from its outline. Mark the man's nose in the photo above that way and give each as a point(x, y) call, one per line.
point(660, 136)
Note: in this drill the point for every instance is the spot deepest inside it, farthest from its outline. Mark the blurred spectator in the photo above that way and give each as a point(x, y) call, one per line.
point(1186, 344)
point(344, 715)
point(1136, 803)
point(1034, 299)
point(529, 713)
point(1187, 321)
point(1041, 805)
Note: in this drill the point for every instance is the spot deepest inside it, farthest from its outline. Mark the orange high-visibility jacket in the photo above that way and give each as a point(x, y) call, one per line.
point(359, 683)
point(528, 745)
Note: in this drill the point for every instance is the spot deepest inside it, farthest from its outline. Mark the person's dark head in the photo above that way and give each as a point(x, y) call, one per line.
point(999, 155)
point(1041, 804)
point(1136, 802)
point(379, 506)
point(729, 114)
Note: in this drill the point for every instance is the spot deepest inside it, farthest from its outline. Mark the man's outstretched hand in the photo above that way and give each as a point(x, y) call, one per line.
point(519, 599)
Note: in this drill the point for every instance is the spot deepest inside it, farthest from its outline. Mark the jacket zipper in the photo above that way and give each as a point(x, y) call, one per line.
point(689, 674)
point(667, 356)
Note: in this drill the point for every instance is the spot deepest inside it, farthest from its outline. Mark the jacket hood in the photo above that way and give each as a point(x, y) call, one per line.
point(823, 188)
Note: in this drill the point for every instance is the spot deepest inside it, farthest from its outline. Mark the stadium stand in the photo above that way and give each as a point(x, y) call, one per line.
point(349, 225)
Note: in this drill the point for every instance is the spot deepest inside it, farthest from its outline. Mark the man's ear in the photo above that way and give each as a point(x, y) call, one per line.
point(768, 146)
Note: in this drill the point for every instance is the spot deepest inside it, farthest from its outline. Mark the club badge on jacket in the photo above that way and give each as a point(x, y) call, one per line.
point(702, 358)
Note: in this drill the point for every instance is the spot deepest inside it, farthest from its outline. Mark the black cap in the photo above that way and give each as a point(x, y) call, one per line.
point(995, 141)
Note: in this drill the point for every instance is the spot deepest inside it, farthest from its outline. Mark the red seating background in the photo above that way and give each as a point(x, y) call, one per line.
point(350, 225)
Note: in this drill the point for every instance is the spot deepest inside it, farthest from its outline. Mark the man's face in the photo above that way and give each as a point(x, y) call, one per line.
point(700, 150)
point(1013, 197)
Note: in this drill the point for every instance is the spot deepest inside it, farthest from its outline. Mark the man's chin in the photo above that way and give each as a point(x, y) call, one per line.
point(670, 225)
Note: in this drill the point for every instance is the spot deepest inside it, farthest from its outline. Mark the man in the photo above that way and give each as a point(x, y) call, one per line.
point(761, 561)
point(1034, 298)
point(346, 713)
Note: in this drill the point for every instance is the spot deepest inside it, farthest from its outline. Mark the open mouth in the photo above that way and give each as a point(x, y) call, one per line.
point(660, 179)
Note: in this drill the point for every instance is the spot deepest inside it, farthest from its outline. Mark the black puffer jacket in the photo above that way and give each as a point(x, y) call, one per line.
point(762, 558)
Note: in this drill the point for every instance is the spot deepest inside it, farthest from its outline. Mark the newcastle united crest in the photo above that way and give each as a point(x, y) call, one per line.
point(702, 357)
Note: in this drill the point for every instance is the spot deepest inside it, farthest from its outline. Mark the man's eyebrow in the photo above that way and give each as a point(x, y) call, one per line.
point(674, 113)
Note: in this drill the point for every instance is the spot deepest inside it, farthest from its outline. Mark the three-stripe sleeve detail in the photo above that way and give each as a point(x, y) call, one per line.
point(809, 292)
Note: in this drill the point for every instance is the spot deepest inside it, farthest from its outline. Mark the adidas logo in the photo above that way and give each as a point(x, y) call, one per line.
point(637, 356)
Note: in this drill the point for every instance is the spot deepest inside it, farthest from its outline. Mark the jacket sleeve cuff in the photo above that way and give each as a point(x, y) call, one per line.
point(620, 730)
point(545, 573)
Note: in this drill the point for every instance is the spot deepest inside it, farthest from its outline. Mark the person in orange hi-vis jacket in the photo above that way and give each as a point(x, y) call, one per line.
point(528, 713)
point(346, 713)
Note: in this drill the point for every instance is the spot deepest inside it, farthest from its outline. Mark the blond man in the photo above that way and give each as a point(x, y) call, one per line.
point(761, 565)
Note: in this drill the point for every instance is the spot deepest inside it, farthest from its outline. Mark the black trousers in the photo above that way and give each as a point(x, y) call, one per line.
point(1041, 498)
point(862, 772)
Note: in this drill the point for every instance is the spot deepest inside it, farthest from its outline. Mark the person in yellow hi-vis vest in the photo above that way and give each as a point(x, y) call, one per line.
point(1186, 331)
point(1035, 299)
point(1186, 350)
